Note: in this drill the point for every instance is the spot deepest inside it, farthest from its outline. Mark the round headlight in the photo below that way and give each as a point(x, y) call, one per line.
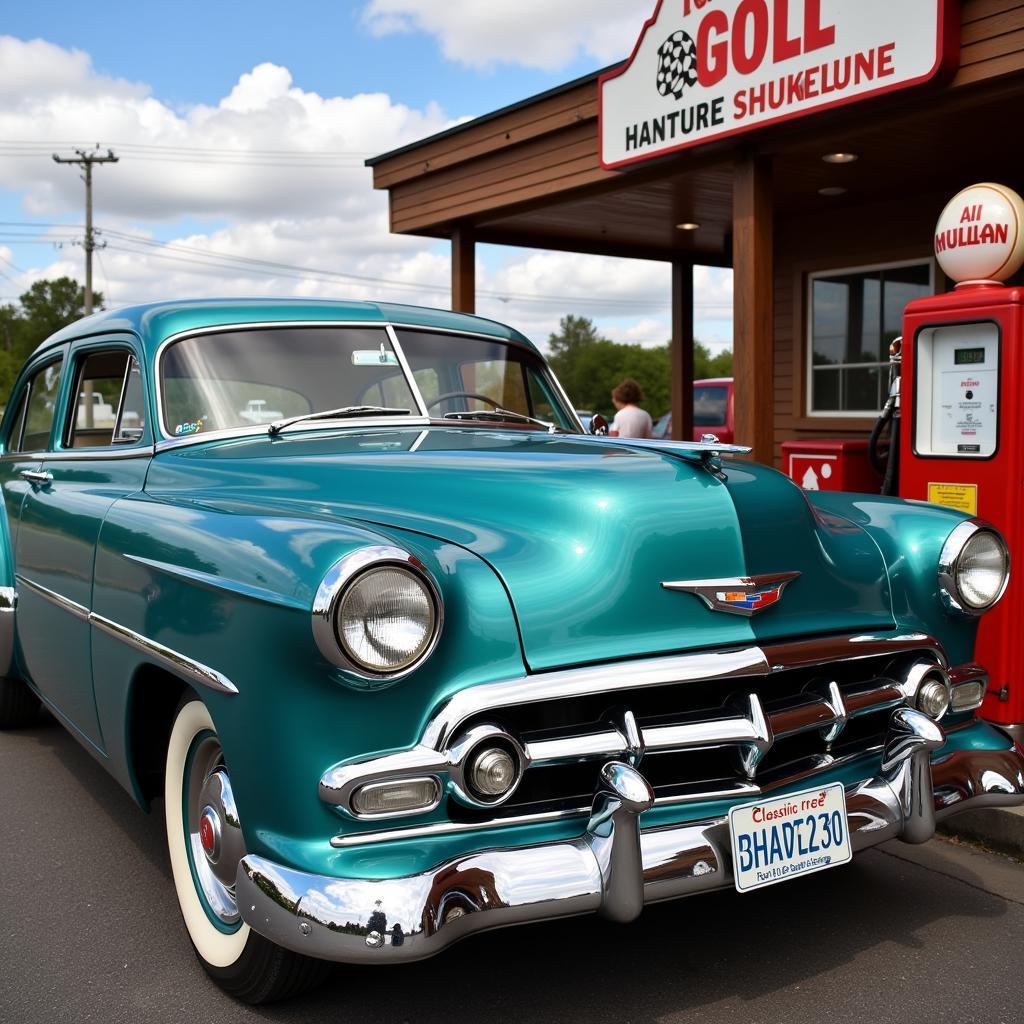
point(974, 568)
point(981, 569)
point(385, 619)
point(377, 615)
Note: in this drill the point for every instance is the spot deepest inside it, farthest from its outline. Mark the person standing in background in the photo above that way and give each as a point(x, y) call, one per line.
point(630, 420)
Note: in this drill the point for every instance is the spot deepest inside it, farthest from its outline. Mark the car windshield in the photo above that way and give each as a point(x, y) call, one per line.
point(244, 378)
point(458, 375)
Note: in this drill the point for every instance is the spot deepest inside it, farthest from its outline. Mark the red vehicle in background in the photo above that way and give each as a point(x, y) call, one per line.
point(712, 411)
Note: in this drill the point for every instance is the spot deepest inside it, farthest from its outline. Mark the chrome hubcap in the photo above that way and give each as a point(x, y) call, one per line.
point(214, 831)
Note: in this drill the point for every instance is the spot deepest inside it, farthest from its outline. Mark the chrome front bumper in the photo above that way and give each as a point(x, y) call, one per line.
point(613, 869)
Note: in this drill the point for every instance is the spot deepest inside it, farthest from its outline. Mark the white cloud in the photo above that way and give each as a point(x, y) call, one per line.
point(532, 33)
point(315, 218)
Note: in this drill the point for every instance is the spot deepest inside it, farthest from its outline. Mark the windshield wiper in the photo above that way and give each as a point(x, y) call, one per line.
point(498, 415)
point(346, 412)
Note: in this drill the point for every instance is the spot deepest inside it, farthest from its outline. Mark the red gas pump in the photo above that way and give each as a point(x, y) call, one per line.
point(959, 438)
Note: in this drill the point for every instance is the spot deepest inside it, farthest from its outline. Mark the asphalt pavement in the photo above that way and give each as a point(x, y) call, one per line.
point(90, 931)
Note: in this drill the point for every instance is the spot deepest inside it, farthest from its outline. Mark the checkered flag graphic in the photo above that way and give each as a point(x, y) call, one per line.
point(677, 64)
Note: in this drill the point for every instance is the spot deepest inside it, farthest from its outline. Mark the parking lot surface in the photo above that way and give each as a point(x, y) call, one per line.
point(90, 931)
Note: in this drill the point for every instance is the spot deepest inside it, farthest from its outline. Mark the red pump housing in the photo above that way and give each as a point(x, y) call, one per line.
point(962, 445)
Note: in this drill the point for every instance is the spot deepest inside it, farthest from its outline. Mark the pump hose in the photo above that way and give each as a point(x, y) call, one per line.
point(891, 484)
point(878, 460)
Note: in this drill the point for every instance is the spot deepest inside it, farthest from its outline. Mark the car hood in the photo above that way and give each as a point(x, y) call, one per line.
point(582, 532)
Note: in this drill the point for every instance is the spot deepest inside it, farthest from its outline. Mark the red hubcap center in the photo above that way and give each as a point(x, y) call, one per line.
point(206, 836)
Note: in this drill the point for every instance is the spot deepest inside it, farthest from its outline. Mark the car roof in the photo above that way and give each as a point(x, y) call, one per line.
point(155, 322)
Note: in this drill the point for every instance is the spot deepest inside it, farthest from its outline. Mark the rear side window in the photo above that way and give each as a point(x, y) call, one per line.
point(35, 421)
point(108, 407)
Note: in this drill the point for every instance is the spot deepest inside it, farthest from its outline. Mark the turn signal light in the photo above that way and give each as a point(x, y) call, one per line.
point(403, 796)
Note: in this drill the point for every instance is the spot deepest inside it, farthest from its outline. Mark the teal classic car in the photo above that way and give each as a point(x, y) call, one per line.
point(419, 658)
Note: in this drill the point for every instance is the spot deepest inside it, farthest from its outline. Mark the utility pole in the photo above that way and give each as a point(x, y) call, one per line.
point(86, 161)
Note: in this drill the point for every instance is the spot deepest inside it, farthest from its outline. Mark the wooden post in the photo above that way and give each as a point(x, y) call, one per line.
point(682, 349)
point(753, 281)
point(463, 270)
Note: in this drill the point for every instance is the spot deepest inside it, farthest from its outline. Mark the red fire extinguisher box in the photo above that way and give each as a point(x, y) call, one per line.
point(833, 465)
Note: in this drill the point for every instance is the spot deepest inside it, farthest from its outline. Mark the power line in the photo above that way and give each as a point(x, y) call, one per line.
point(204, 257)
point(182, 253)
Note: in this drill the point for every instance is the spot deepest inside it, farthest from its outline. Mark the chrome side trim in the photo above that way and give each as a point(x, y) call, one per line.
point(189, 669)
point(79, 611)
point(118, 454)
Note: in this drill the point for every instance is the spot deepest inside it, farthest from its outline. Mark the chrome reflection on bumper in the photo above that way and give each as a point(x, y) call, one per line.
point(614, 868)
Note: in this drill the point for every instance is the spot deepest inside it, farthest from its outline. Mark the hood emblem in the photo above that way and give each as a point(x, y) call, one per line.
point(747, 596)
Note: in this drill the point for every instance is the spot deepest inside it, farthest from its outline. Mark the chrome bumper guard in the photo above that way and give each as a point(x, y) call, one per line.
point(613, 869)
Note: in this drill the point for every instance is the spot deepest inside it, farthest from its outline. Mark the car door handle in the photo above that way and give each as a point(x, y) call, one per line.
point(36, 479)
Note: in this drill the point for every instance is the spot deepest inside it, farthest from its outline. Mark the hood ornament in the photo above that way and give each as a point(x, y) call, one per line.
point(746, 596)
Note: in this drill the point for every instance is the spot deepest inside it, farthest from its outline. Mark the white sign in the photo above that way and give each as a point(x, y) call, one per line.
point(707, 69)
point(980, 235)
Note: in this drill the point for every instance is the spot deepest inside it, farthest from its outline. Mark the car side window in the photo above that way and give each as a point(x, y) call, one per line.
point(14, 439)
point(40, 408)
point(108, 407)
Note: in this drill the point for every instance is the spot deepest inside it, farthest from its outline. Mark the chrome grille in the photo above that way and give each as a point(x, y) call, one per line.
point(726, 739)
point(703, 725)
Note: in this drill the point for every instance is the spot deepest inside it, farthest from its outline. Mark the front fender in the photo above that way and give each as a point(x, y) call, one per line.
point(234, 591)
point(910, 535)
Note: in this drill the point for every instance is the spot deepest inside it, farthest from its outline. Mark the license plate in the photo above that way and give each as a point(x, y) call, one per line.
point(796, 834)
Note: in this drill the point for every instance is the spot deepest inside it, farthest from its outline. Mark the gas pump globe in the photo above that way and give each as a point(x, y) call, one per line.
point(961, 441)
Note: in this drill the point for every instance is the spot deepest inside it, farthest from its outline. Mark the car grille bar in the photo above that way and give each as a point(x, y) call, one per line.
point(751, 731)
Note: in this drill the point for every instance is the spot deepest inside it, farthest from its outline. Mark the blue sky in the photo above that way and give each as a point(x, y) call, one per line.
point(309, 77)
point(191, 52)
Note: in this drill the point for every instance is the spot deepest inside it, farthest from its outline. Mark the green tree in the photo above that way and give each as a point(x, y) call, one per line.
point(590, 366)
point(43, 310)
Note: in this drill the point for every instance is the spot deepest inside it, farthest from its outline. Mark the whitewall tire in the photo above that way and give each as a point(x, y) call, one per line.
point(205, 843)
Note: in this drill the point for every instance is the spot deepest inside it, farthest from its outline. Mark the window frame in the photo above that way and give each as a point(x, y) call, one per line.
point(852, 415)
point(77, 357)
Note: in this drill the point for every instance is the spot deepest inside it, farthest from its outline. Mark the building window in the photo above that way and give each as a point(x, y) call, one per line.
point(854, 316)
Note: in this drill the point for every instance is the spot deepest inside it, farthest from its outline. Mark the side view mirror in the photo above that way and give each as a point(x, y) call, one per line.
point(598, 425)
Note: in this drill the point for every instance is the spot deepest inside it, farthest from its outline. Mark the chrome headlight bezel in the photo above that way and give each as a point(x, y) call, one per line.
point(341, 577)
point(949, 563)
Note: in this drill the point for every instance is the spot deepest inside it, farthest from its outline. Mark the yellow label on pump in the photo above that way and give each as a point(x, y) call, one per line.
point(962, 497)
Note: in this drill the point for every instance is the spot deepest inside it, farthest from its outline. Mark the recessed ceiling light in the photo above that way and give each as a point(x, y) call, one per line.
point(840, 158)
point(833, 190)
point(688, 226)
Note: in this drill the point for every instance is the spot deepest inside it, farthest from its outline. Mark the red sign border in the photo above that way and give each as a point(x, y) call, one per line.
point(947, 61)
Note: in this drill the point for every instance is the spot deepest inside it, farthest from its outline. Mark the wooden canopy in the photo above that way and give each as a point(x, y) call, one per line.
point(530, 175)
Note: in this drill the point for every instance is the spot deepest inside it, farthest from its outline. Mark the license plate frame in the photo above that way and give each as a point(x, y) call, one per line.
point(797, 837)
